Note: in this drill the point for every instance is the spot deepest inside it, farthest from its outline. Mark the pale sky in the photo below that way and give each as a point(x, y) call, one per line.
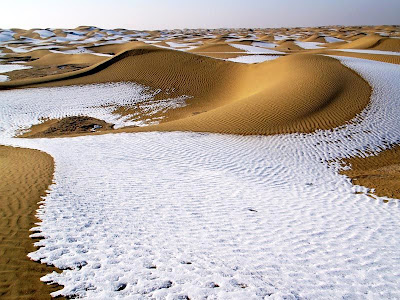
point(158, 14)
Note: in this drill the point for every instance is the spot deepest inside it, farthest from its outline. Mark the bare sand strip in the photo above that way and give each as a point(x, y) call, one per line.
point(380, 172)
point(25, 176)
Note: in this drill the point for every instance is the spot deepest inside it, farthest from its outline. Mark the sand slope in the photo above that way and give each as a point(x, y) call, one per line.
point(25, 175)
point(380, 172)
point(375, 42)
point(296, 93)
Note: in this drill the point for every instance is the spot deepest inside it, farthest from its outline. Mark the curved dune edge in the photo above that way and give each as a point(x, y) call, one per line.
point(26, 175)
point(380, 172)
point(296, 93)
point(374, 42)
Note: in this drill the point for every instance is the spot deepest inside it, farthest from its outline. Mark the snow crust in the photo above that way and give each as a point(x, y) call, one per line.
point(97, 101)
point(13, 67)
point(80, 50)
point(17, 49)
point(309, 45)
point(367, 51)
point(255, 50)
point(6, 35)
point(175, 215)
point(44, 34)
point(264, 44)
point(331, 39)
point(253, 59)
point(3, 78)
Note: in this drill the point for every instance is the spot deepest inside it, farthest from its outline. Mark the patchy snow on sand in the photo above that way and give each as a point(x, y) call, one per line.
point(264, 44)
point(80, 50)
point(96, 100)
point(175, 215)
point(368, 51)
point(6, 35)
point(253, 59)
point(3, 78)
point(255, 50)
point(331, 39)
point(44, 34)
point(309, 45)
point(13, 67)
point(18, 49)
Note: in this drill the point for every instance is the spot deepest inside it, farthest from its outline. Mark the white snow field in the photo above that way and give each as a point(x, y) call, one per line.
point(253, 59)
point(369, 51)
point(177, 215)
point(309, 45)
point(10, 68)
point(255, 50)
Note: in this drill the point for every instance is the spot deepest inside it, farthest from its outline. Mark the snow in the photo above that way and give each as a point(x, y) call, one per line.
point(98, 101)
point(331, 39)
point(183, 46)
point(13, 67)
point(3, 78)
point(44, 34)
point(264, 44)
point(367, 51)
point(80, 50)
point(175, 215)
point(255, 50)
point(18, 49)
point(309, 45)
point(6, 35)
point(253, 59)
point(281, 37)
point(68, 38)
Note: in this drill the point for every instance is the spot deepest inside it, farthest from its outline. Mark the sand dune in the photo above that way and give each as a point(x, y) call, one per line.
point(303, 91)
point(25, 176)
point(272, 97)
point(375, 42)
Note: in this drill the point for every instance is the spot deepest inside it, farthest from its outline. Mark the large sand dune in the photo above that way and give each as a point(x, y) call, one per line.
point(267, 98)
point(180, 80)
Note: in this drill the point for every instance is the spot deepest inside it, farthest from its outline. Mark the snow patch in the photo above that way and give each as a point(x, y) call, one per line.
point(367, 51)
point(255, 50)
point(253, 59)
point(309, 45)
point(13, 67)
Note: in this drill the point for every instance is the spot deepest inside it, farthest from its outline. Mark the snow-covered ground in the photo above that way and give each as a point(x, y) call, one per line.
point(309, 45)
point(253, 59)
point(44, 33)
point(368, 51)
point(13, 67)
point(264, 44)
point(255, 50)
point(175, 215)
point(331, 39)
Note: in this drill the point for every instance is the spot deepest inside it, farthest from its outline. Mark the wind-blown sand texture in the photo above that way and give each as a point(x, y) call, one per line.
point(25, 176)
point(172, 85)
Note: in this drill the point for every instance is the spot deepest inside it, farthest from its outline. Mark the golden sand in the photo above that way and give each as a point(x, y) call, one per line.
point(268, 98)
point(381, 172)
point(300, 92)
point(25, 176)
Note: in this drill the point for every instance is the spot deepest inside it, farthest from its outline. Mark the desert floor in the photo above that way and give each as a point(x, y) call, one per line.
point(188, 164)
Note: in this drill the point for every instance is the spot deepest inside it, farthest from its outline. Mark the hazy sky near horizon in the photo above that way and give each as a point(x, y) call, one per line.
point(157, 14)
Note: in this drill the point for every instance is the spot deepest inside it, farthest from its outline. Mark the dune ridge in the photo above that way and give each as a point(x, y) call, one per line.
point(267, 98)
